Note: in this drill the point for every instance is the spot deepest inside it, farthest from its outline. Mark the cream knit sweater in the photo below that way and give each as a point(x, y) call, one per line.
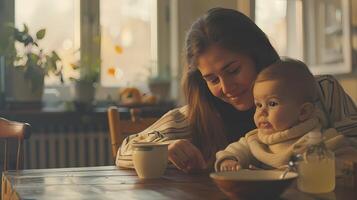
point(274, 150)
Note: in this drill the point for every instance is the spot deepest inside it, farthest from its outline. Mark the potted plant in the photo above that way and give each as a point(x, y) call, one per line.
point(84, 85)
point(160, 86)
point(31, 64)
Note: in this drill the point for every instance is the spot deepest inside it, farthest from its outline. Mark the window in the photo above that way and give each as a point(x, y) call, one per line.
point(127, 35)
point(271, 17)
point(127, 41)
point(120, 34)
point(316, 32)
point(61, 21)
point(327, 36)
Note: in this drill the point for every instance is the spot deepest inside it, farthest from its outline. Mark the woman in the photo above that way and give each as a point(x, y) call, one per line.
point(224, 52)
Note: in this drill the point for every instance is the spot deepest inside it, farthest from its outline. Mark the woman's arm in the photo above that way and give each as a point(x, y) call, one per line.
point(170, 127)
point(338, 106)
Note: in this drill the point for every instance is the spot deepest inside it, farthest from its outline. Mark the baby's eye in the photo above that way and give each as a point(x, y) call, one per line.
point(258, 105)
point(272, 103)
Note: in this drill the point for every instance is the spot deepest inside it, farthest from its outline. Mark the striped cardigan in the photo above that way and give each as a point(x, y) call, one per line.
point(340, 112)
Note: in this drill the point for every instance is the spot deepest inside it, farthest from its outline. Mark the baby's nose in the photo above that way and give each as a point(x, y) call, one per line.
point(263, 111)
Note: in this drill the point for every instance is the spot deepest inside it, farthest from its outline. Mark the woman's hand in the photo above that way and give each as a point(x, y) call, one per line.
point(185, 156)
point(229, 165)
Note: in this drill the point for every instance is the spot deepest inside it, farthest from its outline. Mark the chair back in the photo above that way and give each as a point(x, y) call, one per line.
point(120, 128)
point(14, 130)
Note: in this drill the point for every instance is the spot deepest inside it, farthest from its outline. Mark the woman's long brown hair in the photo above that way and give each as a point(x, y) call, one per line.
point(207, 114)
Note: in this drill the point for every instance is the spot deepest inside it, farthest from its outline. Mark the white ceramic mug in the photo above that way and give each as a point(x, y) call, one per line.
point(150, 159)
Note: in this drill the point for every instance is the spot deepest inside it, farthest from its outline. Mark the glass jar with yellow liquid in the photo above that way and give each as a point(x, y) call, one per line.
point(317, 168)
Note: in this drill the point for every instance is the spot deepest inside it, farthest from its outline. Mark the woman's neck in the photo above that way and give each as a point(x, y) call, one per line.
point(237, 123)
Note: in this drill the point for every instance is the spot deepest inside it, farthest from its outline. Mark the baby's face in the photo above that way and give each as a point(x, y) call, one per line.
point(276, 107)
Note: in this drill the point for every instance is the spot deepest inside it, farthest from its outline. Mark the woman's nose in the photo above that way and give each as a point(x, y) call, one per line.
point(227, 86)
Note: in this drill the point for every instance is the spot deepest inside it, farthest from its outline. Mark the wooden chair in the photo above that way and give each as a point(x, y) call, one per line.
point(14, 130)
point(119, 128)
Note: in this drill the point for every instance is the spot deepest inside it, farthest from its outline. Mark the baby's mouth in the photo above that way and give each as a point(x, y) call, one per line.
point(265, 125)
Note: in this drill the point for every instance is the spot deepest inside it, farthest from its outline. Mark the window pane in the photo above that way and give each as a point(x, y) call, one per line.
point(270, 16)
point(126, 41)
point(316, 32)
point(61, 21)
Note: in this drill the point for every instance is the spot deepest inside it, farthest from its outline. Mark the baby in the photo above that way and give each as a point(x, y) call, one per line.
point(285, 96)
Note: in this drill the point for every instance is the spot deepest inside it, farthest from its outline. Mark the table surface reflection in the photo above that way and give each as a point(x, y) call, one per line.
point(109, 182)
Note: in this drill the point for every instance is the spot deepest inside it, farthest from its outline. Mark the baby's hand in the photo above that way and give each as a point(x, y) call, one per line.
point(229, 165)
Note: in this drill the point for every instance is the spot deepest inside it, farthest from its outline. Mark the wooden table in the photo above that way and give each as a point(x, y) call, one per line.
point(110, 182)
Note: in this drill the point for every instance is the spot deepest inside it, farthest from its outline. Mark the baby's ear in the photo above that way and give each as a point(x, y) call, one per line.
point(306, 111)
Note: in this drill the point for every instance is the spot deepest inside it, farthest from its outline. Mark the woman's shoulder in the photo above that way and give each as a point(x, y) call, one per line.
point(325, 78)
point(328, 85)
point(178, 112)
point(174, 116)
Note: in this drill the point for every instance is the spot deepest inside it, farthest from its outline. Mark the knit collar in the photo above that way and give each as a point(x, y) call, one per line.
point(259, 143)
point(292, 133)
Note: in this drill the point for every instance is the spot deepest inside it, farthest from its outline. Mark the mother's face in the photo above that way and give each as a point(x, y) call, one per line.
point(229, 76)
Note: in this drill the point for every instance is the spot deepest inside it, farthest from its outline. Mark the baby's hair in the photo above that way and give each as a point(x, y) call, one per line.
point(293, 74)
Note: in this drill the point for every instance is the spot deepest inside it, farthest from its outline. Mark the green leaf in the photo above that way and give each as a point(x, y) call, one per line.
point(17, 58)
point(26, 29)
point(53, 65)
point(22, 67)
point(33, 58)
point(61, 78)
point(28, 40)
point(55, 56)
point(18, 35)
point(41, 34)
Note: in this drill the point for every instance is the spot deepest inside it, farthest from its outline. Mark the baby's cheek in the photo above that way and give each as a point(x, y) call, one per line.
point(277, 119)
point(283, 122)
point(255, 119)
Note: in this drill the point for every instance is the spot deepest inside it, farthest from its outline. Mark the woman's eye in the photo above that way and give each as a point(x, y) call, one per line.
point(272, 103)
point(213, 80)
point(234, 70)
